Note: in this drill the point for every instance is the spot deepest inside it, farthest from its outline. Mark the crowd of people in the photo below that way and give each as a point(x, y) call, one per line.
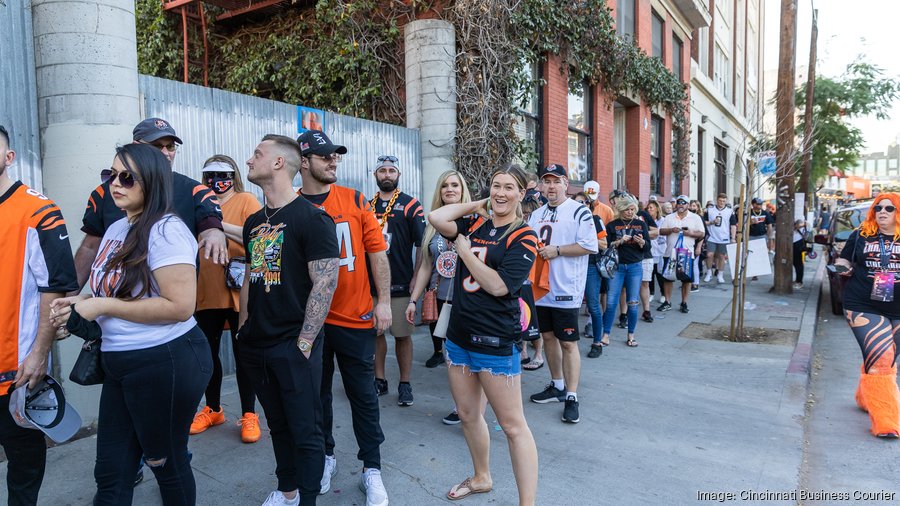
point(314, 278)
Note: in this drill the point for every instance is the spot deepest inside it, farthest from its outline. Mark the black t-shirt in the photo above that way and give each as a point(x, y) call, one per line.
point(193, 202)
point(651, 223)
point(759, 222)
point(865, 255)
point(629, 252)
point(476, 315)
point(403, 231)
point(280, 283)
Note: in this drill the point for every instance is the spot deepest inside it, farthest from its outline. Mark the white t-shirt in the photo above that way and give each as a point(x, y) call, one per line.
point(568, 223)
point(693, 222)
point(720, 234)
point(170, 243)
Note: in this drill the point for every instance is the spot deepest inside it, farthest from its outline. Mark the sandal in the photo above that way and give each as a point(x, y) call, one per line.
point(526, 360)
point(533, 365)
point(463, 490)
point(631, 343)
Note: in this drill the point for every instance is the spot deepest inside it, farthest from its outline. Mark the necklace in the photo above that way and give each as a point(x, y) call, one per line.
point(387, 210)
point(266, 210)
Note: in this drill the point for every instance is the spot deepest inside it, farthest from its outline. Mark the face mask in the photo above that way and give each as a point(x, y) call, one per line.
point(220, 185)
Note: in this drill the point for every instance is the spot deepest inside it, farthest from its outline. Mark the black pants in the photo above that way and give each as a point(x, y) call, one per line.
point(799, 248)
point(354, 350)
point(26, 455)
point(212, 323)
point(288, 386)
point(146, 407)
point(437, 342)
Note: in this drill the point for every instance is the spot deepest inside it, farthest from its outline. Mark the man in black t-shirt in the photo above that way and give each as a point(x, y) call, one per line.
point(402, 222)
point(193, 202)
point(761, 222)
point(292, 253)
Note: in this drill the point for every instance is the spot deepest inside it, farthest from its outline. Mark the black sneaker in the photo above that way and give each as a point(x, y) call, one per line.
point(570, 412)
point(596, 351)
point(435, 360)
point(451, 419)
point(684, 308)
point(647, 317)
point(381, 386)
point(623, 321)
point(665, 306)
point(549, 394)
point(406, 397)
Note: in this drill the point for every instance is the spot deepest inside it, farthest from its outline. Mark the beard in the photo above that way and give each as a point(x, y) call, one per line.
point(387, 185)
point(322, 176)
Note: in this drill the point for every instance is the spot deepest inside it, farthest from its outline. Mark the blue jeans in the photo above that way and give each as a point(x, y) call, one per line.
point(629, 277)
point(592, 296)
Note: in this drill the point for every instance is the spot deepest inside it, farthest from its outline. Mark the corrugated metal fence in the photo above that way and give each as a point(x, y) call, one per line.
point(212, 121)
point(18, 90)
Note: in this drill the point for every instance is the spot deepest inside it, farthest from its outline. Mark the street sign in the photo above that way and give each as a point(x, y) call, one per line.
point(766, 163)
point(310, 119)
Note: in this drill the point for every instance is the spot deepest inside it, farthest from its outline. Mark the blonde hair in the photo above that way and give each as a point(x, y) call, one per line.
point(437, 202)
point(227, 160)
point(624, 202)
point(521, 180)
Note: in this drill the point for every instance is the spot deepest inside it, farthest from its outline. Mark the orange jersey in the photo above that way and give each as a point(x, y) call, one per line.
point(35, 258)
point(604, 212)
point(358, 233)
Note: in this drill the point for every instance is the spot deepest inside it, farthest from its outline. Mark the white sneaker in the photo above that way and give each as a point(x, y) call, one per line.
point(372, 485)
point(720, 278)
point(708, 276)
point(276, 498)
point(330, 470)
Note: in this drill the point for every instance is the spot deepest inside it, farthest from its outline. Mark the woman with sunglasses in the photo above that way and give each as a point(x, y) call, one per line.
point(217, 303)
point(871, 260)
point(155, 359)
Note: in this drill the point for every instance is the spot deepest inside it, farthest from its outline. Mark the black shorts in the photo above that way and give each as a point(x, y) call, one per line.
point(562, 322)
point(604, 285)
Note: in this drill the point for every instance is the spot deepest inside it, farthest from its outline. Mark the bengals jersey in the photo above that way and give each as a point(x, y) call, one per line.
point(35, 257)
point(479, 321)
point(358, 233)
point(193, 202)
point(403, 230)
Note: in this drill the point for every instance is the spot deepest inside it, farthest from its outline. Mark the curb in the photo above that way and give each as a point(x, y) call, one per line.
point(801, 358)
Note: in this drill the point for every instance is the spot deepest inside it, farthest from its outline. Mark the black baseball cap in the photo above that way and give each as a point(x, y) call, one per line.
point(152, 129)
point(554, 169)
point(315, 142)
point(616, 194)
point(757, 200)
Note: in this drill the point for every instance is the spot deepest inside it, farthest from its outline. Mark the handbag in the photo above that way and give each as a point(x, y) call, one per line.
point(234, 272)
point(440, 328)
point(87, 369)
point(684, 261)
point(608, 263)
point(429, 306)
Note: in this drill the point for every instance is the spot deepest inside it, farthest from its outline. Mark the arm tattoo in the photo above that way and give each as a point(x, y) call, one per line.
point(324, 275)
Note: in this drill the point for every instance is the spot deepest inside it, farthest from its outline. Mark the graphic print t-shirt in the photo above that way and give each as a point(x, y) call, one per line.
point(629, 252)
point(403, 231)
point(477, 313)
point(866, 261)
point(758, 222)
point(279, 281)
point(357, 234)
point(170, 243)
point(36, 257)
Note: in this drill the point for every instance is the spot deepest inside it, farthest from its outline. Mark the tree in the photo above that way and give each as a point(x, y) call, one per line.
point(861, 91)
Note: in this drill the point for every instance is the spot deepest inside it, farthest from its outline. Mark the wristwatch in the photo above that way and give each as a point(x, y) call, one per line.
point(304, 345)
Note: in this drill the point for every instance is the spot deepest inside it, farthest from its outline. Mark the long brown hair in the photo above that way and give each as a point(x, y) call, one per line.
point(227, 160)
point(437, 202)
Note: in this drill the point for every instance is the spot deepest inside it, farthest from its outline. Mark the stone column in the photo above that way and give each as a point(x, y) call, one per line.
point(431, 96)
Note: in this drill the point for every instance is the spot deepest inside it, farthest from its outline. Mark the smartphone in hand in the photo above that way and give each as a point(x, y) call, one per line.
point(838, 269)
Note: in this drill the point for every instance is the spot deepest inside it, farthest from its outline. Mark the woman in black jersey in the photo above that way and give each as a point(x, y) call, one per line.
point(871, 257)
point(486, 324)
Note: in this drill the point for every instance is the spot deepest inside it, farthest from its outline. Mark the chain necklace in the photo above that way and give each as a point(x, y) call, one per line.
point(387, 210)
point(266, 208)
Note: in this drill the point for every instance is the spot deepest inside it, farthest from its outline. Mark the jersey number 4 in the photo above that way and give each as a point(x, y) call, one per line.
point(469, 283)
point(345, 246)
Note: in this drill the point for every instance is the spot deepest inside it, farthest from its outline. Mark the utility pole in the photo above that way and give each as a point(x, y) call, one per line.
point(784, 148)
point(808, 117)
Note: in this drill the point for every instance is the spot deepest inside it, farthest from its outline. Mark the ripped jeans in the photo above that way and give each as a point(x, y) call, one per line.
point(628, 277)
point(148, 401)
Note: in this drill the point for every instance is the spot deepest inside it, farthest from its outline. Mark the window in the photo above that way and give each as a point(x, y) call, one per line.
point(702, 41)
point(722, 72)
point(892, 163)
point(700, 163)
point(721, 166)
point(677, 50)
point(656, 133)
point(882, 166)
point(657, 35)
point(625, 18)
point(580, 133)
point(527, 126)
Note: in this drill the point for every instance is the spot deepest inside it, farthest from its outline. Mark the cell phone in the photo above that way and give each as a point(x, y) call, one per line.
point(837, 269)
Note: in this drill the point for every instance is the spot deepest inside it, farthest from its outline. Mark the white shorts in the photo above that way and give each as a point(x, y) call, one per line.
point(647, 270)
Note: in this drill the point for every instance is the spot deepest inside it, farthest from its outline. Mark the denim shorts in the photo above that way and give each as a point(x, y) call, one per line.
point(478, 362)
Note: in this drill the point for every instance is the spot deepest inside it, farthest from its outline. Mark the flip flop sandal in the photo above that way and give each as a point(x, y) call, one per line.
point(534, 365)
point(466, 486)
point(631, 343)
point(526, 360)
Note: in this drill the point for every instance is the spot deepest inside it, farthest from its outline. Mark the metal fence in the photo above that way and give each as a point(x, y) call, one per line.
point(18, 90)
point(212, 121)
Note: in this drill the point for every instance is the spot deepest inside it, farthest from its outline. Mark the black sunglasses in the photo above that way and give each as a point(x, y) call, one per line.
point(889, 209)
point(126, 179)
point(388, 158)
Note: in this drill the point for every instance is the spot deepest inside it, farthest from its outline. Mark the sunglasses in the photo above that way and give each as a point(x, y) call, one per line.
point(889, 209)
point(388, 158)
point(334, 157)
point(126, 179)
point(220, 175)
point(681, 202)
point(170, 147)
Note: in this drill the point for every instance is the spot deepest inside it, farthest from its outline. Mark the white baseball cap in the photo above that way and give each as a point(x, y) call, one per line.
point(592, 189)
point(44, 408)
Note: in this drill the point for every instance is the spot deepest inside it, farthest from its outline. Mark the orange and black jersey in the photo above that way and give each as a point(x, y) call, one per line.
point(404, 229)
point(358, 233)
point(193, 202)
point(479, 321)
point(36, 257)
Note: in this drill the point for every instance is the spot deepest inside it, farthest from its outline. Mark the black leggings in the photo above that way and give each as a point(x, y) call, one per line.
point(437, 342)
point(877, 337)
point(658, 277)
point(212, 323)
point(799, 248)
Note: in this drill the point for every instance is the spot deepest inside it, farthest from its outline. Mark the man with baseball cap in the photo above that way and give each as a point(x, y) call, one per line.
point(682, 221)
point(568, 235)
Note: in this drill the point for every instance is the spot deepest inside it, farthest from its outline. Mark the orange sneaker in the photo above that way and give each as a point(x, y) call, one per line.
point(207, 418)
point(249, 427)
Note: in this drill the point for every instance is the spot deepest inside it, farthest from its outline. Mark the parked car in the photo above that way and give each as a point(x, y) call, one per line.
point(844, 221)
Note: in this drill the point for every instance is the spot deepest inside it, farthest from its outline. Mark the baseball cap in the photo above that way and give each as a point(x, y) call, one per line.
point(615, 194)
point(315, 142)
point(592, 189)
point(554, 169)
point(685, 198)
point(152, 129)
point(653, 198)
point(757, 200)
point(44, 407)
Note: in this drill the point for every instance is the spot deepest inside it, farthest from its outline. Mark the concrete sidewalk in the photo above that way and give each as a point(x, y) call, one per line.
point(660, 423)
